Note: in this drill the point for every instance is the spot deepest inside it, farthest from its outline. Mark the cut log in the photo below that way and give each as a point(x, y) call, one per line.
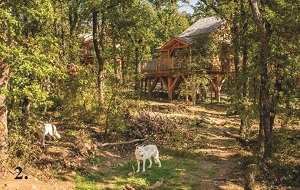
point(100, 145)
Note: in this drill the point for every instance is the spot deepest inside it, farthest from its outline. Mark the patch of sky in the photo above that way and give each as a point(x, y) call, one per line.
point(187, 7)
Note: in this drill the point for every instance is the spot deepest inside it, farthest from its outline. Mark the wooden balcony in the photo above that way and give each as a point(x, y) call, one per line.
point(168, 64)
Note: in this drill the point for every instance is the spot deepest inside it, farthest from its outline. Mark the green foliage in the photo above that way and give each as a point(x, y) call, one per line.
point(77, 97)
point(23, 145)
point(282, 168)
point(195, 81)
point(33, 55)
point(204, 52)
point(95, 159)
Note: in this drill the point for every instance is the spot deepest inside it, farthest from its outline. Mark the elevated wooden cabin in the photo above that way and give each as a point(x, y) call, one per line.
point(86, 49)
point(178, 60)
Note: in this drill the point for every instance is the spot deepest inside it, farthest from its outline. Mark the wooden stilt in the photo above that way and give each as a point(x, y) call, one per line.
point(218, 95)
point(215, 84)
point(171, 81)
point(142, 83)
point(193, 90)
point(186, 90)
point(149, 87)
point(164, 82)
point(170, 92)
point(211, 89)
point(145, 88)
point(217, 89)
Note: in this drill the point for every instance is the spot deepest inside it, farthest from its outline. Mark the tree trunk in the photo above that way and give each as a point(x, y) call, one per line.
point(25, 112)
point(264, 98)
point(4, 73)
point(137, 81)
point(278, 87)
point(99, 57)
point(244, 128)
point(236, 61)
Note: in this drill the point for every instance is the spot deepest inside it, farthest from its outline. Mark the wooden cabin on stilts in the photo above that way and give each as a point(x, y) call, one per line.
point(185, 58)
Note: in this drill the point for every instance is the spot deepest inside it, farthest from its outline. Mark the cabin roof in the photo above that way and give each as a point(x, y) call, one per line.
point(176, 43)
point(202, 26)
point(86, 38)
point(184, 39)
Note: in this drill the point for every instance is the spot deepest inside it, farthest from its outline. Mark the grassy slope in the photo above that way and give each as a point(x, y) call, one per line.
point(201, 158)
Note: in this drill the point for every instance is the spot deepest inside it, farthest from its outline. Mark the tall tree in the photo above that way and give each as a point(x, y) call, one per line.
point(100, 60)
point(4, 73)
point(264, 30)
point(6, 46)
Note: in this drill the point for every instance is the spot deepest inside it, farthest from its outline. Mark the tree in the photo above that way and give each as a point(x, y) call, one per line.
point(264, 31)
point(29, 58)
point(4, 73)
point(6, 45)
point(98, 54)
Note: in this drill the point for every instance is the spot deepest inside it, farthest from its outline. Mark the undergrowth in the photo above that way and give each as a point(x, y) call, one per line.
point(283, 168)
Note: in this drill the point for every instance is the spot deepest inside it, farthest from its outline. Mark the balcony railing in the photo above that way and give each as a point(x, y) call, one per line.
point(195, 63)
point(164, 64)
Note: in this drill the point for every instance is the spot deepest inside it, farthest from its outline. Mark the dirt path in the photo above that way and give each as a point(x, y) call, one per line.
point(32, 182)
point(225, 161)
point(222, 167)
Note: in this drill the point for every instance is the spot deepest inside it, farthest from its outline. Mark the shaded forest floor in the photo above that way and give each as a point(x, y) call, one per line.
point(196, 155)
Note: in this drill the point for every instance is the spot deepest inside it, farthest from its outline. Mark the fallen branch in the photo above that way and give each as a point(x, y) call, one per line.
point(128, 187)
point(100, 145)
point(156, 185)
point(208, 121)
point(238, 137)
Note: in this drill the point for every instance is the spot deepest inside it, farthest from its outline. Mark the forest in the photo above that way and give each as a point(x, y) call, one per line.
point(77, 65)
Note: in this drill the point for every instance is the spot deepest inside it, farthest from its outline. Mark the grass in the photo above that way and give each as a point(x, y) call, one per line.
point(180, 170)
point(88, 180)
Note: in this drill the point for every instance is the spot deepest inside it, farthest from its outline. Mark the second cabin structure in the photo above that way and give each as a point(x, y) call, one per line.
point(202, 50)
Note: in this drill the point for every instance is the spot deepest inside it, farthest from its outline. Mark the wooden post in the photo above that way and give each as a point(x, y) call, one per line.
point(217, 89)
point(218, 94)
point(193, 90)
point(149, 87)
point(142, 85)
point(250, 177)
point(211, 89)
point(145, 88)
point(186, 91)
point(190, 59)
point(170, 92)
